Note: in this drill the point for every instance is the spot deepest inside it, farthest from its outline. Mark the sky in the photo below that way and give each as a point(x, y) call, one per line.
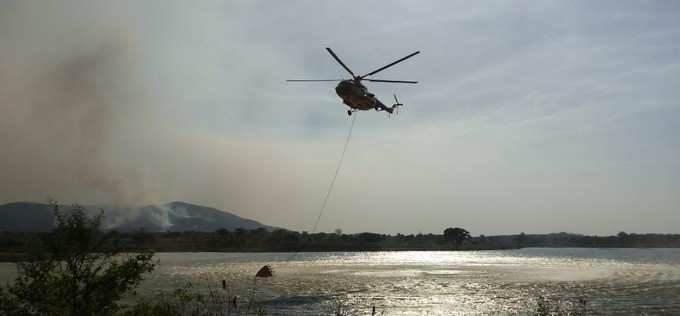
point(529, 116)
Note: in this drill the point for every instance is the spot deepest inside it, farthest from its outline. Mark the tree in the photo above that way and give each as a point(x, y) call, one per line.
point(482, 239)
point(521, 239)
point(75, 270)
point(456, 235)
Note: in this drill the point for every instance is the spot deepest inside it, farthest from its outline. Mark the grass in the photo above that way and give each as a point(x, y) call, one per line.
point(190, 301)
point(187, 301)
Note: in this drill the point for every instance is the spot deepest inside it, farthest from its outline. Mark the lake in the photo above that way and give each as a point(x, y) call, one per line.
point(612, 281)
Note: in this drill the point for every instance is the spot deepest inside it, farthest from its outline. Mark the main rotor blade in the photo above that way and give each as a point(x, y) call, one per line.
point(340, 61)
point(390, 65)
point(394, 81)
point(302, 80)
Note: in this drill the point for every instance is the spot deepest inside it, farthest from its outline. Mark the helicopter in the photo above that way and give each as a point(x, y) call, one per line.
point(355, 95)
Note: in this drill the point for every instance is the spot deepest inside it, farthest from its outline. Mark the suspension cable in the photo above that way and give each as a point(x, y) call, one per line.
point(335, 176)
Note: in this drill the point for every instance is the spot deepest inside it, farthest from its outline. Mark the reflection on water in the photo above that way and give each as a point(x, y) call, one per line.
point(620, 281)
point(403, 283)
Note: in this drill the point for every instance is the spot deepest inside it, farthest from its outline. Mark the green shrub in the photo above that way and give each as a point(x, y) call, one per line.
point(77, 269)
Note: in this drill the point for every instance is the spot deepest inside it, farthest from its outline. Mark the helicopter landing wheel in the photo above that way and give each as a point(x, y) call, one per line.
point(349, 112)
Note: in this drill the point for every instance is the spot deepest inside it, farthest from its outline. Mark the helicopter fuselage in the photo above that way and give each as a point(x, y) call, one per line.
point(356, 96)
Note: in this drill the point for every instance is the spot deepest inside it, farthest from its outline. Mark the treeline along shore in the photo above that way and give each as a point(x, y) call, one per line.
point(13, 244)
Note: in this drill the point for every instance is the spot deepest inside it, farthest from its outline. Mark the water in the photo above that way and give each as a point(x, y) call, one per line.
point(613, 281)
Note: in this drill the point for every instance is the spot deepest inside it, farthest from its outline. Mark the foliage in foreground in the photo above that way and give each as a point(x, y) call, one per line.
point(188, 301)
point(75, 270)
point(554, 307)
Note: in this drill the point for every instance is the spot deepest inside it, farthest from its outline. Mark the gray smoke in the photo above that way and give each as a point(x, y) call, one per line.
point(85, 96)
point(64, 105)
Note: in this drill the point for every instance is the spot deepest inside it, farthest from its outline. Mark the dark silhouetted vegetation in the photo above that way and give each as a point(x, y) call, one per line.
point(556, 307)
point(14, 246)
point(241, 240)
point(457, 235)
point(75, 270)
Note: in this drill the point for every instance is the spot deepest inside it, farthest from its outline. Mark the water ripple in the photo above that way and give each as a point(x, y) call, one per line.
point(415, 283)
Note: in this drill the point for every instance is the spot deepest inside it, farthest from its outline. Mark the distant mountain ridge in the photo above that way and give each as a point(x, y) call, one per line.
point(173, 216)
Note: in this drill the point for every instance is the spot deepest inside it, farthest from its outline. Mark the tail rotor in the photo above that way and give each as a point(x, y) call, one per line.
point(396, 105)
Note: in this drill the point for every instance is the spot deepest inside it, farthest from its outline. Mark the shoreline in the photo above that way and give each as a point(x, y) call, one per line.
point(14, 257)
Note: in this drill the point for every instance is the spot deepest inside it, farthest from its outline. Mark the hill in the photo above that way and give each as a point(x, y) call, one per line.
point(174, 216)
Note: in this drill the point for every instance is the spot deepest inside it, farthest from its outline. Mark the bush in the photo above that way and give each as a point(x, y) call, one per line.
point(75, 270)
point(188, 301)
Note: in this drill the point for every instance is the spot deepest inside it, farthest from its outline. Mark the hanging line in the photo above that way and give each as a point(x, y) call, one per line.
point(330, 187)
point(335, 176)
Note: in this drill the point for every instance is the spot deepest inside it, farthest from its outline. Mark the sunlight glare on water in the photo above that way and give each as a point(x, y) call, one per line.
point(413, 283)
